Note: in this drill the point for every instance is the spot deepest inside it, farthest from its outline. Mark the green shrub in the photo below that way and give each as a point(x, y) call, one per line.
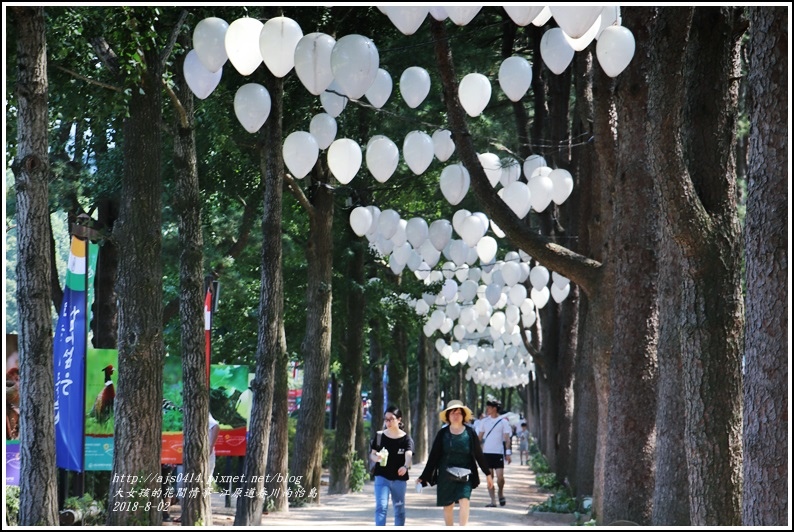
point(12, 505)
point(548, 481)
point(538, 463)
point(358, 472)
point(84, 504)
point(560, 502)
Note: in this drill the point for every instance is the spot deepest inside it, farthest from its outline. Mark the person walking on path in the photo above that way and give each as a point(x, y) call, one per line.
point(392, 449)
point(456, 448)
point(496, 434)
point(523, 442)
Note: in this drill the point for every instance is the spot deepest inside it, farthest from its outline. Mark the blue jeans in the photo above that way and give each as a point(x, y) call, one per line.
point(383, 487)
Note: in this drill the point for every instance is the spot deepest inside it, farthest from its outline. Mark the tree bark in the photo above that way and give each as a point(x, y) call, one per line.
point(195, 510)
point(351, 364)
point(697, 188)
point(316, 346)
point(278, 448)
point(377, 408)
point(138, 404)
point(38, 498)
point(420, 433)
point(766, 363)
point(270, 342)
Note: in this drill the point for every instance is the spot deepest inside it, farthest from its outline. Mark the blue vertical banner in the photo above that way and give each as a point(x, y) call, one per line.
point(69, 351)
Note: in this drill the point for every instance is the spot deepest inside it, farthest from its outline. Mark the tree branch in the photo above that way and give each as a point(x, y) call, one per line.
point(89, 80)
point(172, 38)
point(180, 109)
point(296, 191)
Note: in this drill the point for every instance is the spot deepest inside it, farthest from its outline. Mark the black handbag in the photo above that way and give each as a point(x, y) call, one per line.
point(458, 474)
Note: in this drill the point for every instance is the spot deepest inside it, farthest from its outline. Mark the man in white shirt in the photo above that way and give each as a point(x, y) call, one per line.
point(495, 433)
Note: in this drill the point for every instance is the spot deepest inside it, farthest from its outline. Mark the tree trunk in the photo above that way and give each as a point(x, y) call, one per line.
point(138, 404)
point(697, 187)
point(376, 378)
point(104, 321)
point(628, 473)
point(585, 419)
point(766, 363)
point(195, 510)
point(433, 396)
point(278, 448)
point(351, 364)
point(270, 341)
point(420, 433)
point(38, 497)
point(398, 375)
point(316, 346)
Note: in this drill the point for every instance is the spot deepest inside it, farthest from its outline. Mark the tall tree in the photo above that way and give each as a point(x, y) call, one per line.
point(38, 500)
point(765, 358)
point(691, 129)
point(195, 510)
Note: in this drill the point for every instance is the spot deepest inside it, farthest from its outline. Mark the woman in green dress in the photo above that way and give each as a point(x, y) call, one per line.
point(456, 446)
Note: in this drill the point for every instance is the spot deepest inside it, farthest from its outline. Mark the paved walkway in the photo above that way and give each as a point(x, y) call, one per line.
point(355, 510)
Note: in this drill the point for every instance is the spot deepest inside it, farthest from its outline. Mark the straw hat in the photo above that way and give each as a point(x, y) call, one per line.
point(468, 416)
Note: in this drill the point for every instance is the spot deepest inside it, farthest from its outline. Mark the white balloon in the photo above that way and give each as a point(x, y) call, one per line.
point(454, 183)
point(388, 222)
point(517, 294)
point(407, 19)
point(532, 163)
point(312, 60)
point(528, 318)
point(449, 289)
point(418, 151)
point(459, 332)
point(555, 50)
point(486, 249)
point(540, 190)
point(562, 185)
point(542, 18)
point(448, 269)
point(399, 237)
point(360, 220)
point(422, 308)
point(277, 42)
point(540, 297)
point(584, 41)
point(375, 215)
point(200, 80)
point(462, 273)
point(473, 230)
point(382, 158)
point(414, 261)
point(511, 273)
point(380, 90)
point(522, 15)
point(492, 167)
point(443, 145)
point(429, 253)
point(323, 128)
point(474, 93)
point(511, 171)
point(252, 106)
point(458, 217)
point(610, 16)
point(438, 12)
point(354, 63)
point(559, 294)
point(344, 160)
point(559, 280)
point(539, 277)
point(414, 86)
point(458, 250)
point(242, 44)
point(208, 42)
point(615, 49)
point(440, 232)
point(515, 77)
point(512, 314)
point(300, 153)
point(395, 265)
point(498, 232)
point(333, 101)
point(417, 231)
point(493, 292)
point(575, 20)
point(517, 196)
point(402, 253)
point(462, 15)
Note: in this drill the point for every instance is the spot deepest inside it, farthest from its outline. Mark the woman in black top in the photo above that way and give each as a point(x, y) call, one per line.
point(455, 446)
point(392, 450)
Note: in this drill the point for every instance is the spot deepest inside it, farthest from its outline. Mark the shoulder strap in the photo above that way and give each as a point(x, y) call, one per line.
point(377, 438)
point(490, 431)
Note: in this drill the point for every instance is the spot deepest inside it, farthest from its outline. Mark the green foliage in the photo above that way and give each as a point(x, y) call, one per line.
point(560, 502)
point(358, 473)
point(12, 505)
point(548, 481)
point(92, 510)
point(538, 464)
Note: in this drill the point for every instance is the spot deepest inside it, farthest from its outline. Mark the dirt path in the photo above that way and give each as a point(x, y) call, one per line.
point(357, 509)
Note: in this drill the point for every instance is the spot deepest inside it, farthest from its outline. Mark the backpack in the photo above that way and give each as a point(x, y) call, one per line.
point(371, 463)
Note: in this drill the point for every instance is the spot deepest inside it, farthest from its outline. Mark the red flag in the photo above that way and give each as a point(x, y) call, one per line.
point(207, 325)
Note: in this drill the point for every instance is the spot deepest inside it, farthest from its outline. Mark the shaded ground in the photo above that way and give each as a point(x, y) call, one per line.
point(357, 509)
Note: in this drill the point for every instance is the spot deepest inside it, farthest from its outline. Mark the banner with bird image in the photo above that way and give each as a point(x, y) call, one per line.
point(69, 352)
